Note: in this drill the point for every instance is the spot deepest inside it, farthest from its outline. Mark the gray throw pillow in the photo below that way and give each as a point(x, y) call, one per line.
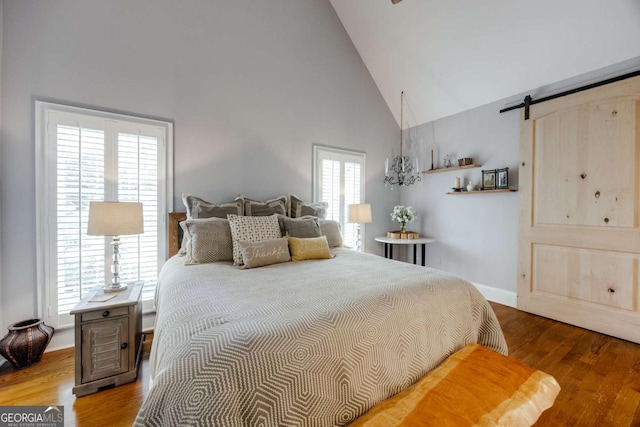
point(266, 208)
point(331, 229)
point(199, 208)
point(300, 227)
point(298, 208)
point(208, 240)
point(183, 242)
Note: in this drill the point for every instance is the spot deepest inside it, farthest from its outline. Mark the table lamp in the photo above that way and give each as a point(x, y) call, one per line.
point(115, 219)
point(359, 214)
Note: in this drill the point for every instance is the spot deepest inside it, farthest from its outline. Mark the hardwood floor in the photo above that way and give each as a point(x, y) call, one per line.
point(599, 376)
point(50, 382)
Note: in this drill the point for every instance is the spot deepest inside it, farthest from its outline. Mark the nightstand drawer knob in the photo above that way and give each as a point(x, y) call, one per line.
point(105, 313)
point(123, 346)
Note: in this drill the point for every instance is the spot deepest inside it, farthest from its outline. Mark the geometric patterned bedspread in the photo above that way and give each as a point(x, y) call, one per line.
point(314, 343)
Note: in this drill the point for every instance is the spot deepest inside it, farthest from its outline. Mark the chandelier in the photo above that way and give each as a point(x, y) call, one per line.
point(402, 171)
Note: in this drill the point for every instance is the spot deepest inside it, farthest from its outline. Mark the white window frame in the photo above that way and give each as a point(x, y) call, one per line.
point(46, 239)
point(321, 152)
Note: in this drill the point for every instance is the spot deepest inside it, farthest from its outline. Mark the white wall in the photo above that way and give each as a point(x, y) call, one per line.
point(2, 321)
point(452, 56)
point(477, 235)
point(249, 85)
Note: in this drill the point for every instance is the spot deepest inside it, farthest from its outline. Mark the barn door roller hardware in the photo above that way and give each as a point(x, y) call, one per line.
point(528, 101)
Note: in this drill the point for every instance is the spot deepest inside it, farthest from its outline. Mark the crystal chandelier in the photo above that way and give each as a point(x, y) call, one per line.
point(402, 171)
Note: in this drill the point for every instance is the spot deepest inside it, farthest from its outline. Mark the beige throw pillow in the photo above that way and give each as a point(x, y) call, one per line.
point(265, 252)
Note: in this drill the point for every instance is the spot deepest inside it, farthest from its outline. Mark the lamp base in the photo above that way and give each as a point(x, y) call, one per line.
point(115, 288)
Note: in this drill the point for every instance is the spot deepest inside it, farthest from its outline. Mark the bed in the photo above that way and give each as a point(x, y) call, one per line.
point(313, 343)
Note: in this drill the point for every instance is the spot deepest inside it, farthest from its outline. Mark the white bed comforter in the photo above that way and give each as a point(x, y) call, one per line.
point(313, 343)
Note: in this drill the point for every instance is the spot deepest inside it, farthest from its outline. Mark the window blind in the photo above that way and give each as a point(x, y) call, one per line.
point(338, 177)
point(138, 182)
point(352, 192)
point(80, 180)
point(84, 156)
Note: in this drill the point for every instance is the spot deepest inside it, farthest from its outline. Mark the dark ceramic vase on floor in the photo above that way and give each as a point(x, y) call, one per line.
point(26, 341)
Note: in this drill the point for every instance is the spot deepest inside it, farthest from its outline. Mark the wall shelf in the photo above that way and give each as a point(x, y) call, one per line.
point(502, 190)
point(452, 168)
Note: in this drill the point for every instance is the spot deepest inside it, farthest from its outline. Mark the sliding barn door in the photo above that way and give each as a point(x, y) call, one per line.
point(579, 244)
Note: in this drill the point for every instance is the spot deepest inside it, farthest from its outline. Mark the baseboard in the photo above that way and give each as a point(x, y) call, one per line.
point(498, 295)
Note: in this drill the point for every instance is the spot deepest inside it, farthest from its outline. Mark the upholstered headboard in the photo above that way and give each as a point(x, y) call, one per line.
point(175, 231)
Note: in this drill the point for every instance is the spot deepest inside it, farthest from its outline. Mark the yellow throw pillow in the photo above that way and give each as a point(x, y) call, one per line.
point(309, 248)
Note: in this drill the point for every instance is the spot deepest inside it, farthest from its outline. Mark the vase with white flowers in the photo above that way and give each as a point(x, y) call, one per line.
point(403, 214)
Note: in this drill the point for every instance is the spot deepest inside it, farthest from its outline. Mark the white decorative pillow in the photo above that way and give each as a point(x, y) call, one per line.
point(199, 208)
point(298, 208)
point(331, 229)
point(252, 229)
point(265, 252)
point(208, 240)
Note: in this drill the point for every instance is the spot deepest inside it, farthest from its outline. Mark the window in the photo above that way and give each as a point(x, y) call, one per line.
point(85, 155)
point(338, 179)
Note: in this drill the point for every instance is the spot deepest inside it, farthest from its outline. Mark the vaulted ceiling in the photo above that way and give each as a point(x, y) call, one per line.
point(454, 55)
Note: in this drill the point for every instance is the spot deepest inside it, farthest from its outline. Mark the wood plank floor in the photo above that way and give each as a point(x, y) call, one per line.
point(599, 376)
point(50, 382)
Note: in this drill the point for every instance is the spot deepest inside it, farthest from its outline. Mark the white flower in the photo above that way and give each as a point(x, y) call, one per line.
point(403, 214)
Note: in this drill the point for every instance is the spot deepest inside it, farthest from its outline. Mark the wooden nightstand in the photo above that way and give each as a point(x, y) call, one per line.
point(108, 338)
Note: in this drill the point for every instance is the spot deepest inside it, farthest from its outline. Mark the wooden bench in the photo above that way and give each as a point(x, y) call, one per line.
point(474, 387)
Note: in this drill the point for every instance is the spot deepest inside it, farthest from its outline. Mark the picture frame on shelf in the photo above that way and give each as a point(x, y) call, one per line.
point(489, 179)
point(502, 178)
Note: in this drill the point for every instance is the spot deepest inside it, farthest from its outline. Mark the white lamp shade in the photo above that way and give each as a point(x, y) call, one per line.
point(115, 219)
point(359, 213)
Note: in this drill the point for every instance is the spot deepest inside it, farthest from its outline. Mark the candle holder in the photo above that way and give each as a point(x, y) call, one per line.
point(457, 185)
point(403, 172)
